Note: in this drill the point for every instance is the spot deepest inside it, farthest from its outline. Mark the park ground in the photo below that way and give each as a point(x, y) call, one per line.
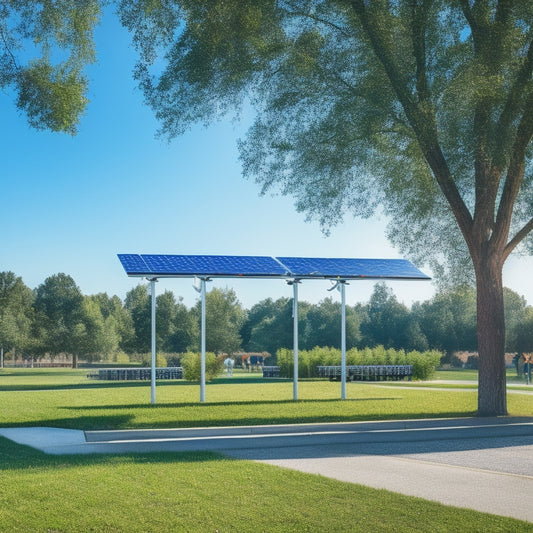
point(207, 491)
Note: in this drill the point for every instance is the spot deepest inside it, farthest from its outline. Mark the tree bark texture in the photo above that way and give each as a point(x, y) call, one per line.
point(492, 399)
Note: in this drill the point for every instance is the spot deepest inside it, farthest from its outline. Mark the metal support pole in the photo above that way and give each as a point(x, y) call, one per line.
point(343, 340)
point(202, 333)
point(340, 285)
point(295, 339)
point(152, 380)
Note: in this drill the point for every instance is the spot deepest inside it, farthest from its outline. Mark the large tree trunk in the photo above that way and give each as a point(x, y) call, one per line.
point(492, 398)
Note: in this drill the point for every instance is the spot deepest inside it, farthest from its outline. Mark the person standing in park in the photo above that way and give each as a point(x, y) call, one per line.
point(228, 363)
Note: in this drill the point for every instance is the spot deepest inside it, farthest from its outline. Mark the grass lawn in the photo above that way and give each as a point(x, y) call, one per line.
point(201, 491)
point(205, 493)
point(472, 375)
point(456, 375)
point(67, 399)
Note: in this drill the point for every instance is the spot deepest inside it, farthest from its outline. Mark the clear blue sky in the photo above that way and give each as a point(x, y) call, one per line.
point(70, 204)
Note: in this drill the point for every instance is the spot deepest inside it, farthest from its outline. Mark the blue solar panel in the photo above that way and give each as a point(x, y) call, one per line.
point(262, 266)
point(307, 267)
point(213, 266)
point(134, 265)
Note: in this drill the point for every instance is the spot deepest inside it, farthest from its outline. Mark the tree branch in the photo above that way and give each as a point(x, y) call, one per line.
point(418, 33)
point(518, 238)
point(396, 77)
point(469, 15)
point(488, 36)
point(515, 98)
point(421, 118)
point(503, 11)
point(8, 48)
point(336, 76)
point(316, 18)
point(515, 175)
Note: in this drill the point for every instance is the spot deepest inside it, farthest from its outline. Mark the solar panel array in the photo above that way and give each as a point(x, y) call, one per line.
point(213, 265)
point(306, 267)
point(224, 266)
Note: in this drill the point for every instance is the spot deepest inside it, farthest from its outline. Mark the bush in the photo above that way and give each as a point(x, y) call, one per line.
point(379, 356)
point(121, 358)
point(308, 360)
point(285, 362)
point(138, 357)
point(367, 357)
point(191, 363)
point(163, 359)
point(160, 361)
point(424, 364)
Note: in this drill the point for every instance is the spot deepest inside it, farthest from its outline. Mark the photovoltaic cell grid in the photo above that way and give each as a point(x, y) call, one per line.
point(134, 264)
point(268, 267)
point(311, 268)
point(202, 265)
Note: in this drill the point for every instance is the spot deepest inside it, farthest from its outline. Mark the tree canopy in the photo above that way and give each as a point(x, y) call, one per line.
point(224, 319)
point(421, 107)
point(16, 312)
point(44, 48)
point(359, 104)
point(59, 315)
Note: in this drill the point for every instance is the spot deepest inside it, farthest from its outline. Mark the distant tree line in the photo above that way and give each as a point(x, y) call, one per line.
point(57, 319)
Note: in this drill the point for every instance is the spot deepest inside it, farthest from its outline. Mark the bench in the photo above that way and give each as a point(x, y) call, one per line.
point(271, 371)
point(132, 374)
point(367, 372)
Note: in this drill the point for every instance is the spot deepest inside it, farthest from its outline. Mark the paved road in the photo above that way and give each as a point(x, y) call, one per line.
point(483, 464)
point(488, 474)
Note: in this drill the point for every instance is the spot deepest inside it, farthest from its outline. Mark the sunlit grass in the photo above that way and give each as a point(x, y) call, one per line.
point(200, 492)
point(68, 399)
point(203, 491)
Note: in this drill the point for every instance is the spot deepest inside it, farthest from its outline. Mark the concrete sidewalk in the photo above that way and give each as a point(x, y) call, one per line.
point(479, 463)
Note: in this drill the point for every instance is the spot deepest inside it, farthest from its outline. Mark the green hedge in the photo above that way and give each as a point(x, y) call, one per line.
point(160, 360)
point(191, 363)
point(424, 363)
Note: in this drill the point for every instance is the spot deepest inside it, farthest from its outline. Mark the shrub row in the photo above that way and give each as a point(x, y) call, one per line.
point(424, 363)
point(191, 363)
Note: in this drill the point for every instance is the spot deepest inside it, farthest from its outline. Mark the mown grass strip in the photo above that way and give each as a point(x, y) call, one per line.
point(205, 492)
point(67, 399)
point(115, 406)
